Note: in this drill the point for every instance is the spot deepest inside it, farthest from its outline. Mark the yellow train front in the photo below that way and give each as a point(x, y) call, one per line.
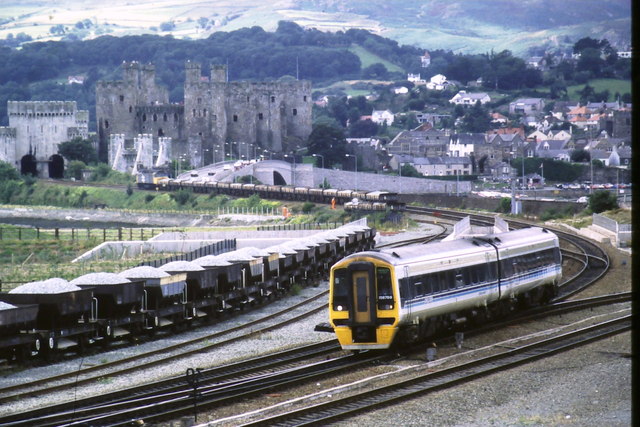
point(362, 302)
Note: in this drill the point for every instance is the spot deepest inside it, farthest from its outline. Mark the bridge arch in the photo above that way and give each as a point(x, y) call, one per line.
point(278, 179)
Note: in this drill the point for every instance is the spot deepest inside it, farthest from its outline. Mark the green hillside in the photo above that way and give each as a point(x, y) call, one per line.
point(600, 85)
point(367, 58)
point(469, 26)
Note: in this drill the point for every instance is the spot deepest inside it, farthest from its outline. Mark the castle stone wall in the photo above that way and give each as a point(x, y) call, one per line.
point(216, 116)
point(37, 128)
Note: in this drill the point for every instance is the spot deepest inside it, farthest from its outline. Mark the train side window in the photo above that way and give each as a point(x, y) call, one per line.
point(340, 288)
point(406, 289)
point(460, 278)
point(385, 292)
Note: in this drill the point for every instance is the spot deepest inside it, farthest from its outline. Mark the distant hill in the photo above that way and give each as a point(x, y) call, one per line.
point(466, 26)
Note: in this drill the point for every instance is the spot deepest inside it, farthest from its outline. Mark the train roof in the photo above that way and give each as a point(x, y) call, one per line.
point(461, 246)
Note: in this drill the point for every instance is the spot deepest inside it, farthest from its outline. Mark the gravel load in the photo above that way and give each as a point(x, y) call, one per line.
point(100, 279)
point(181, 266)
point(49, 286)
point(211, 261)
point(144, 272)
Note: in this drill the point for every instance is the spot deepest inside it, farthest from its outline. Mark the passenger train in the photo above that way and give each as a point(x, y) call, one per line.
point(399, 296)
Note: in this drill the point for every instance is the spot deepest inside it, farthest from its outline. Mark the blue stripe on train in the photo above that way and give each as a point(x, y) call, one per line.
point(493, 286)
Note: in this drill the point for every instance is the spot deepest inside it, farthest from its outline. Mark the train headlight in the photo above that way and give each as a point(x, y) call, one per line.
point(339, 308)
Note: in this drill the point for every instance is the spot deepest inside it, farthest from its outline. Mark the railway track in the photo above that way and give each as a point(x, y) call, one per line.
point(224, 385)
point(125, 365)
point(340, 408)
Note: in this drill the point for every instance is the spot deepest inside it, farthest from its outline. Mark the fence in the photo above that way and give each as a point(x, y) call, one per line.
point(213, 249)
point(304, 226)
point(104, 234)
point(622, 231)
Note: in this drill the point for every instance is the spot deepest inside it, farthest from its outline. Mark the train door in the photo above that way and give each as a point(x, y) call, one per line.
point(361, 297)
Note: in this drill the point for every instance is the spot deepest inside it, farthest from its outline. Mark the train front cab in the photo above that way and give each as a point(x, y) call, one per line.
point(363, 308)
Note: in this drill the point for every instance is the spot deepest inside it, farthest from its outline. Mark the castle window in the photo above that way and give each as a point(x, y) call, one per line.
point(175, 117)
point(130, 108)
point(160, 132)
point(235, 117)
point(273, 99)
point(260, 116)
point(155, 117)
point(295, 111)
point(199, 100)
point(215, 117)
point(106, 124)
point(121, 98)
point(194, 112)
point(164, 117)
point(247, 99)
point(204, 112)
point(304, 98)
point(144, 117)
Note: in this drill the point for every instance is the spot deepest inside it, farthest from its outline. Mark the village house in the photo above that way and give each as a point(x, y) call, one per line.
point(438, 82)
point(382, 116)
point(527, 106)
point(470, 99)
point(429, 143)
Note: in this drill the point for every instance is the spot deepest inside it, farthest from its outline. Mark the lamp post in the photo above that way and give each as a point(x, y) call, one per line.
point(356, 167)
point(523, 168)
point(321, 158)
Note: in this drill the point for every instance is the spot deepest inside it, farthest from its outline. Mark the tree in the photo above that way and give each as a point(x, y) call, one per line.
point(363, 129)
point(8, 172)
point(327, 140)
point(75, 168)
point(375, 71)
point(78, 149)
point(476, 119)
point(580, 155)
point(602, 200)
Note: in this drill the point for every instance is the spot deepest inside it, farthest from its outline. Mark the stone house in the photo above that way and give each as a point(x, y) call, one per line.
point(429, 143)
point(527, 106)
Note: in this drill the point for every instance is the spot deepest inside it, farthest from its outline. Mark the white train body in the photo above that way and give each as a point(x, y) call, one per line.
point(407, 293)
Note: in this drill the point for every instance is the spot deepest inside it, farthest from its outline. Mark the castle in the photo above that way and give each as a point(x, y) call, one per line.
point(138, 127)
point(36, 128)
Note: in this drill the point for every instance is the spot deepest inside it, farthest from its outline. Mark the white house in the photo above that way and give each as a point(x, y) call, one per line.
point(400, 90)
point(415, 78)
point(437, 82)
point(464, 98)
point(382, 116)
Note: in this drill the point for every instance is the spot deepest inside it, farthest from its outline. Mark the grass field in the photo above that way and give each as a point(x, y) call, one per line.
point(599, 85)
point(367, 58)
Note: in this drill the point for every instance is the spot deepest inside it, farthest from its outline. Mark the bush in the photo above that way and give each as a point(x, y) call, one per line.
point(307, 207)
point(602, 200)
point(182, 197)
point(505, 205)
